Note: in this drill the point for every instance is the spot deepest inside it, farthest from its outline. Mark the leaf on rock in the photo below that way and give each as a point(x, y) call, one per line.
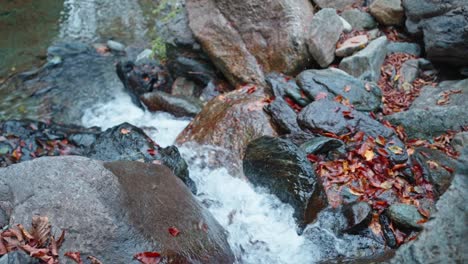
point(124, 131)
point(40, 229)
point(347, 88)
point(396, 149)
point(321, 96)
point(75, 256)
point(173, 231)
point(94, 260)
point(148, 257)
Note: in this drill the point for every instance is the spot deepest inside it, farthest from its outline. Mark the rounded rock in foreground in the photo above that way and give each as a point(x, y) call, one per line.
point(405, 216)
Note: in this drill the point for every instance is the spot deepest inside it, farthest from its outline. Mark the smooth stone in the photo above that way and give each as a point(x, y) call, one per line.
point(388, 12)
point(115, 46)
point(351, 46)
point(359, 20)
point(404, 47)
point(405, 216)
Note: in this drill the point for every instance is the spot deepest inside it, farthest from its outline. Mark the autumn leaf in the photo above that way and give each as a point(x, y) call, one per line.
point(347, 88)
point(386, 185)
point(75, 256)
point(321, 96)
point(369, 155)
point(152, 152)
point(396, 149)
point(173, 231)
point(94, 260)
point(40, 229)
point(148, 257)
point(348, 114)
point(124, 131)
point(251, 90)
point(380, 140)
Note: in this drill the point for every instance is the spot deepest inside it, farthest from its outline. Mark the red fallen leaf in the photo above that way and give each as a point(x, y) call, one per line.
point(173, 231)
point(321, 96)
point(3, 249)
point(124, 131)
point(17, 154)
point(396, 149)
point(148, 257)
point(94, 260)
point(380, 140)
point(399, 167)
point(251, 90)
point(448, 169)
point(348, 114)
point(432, 164)
point(75, 256)
point(269, 100)
point(359, 136)
point(400, 236)
point(152, 152)
point(313, 158)
point(382, 152)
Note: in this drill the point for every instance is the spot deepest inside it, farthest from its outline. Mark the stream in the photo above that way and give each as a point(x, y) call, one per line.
point(260, 228)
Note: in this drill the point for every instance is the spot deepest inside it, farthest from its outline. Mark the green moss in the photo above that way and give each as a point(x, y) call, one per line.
point(159, 48)
point(165, 11)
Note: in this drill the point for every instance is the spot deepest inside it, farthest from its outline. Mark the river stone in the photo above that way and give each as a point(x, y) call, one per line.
point(409, 72)
point(115, 46)
point(321, 145)
point(175, 104)
point(129, 207)
point(460, 141)
point(388, 12)
point(230, 121)
point(335, 82)
point(358, 216)
point(359, 20)
point(281, 167)
point(405, 216)
point(346, 25)
point(432, 162)
point(426, 119)
point(243, 39)
point(283, 116)
point(352, 45)
point(366, 63)
point(404, 47)
point(327, 116)
point(61, 92)
point(339, 5)
point(325, 30)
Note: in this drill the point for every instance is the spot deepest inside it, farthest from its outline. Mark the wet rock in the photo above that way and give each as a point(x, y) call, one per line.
point(346, 26)
point(335, 82)
point(177, 105)
point(339, 5)
point(436, 165)
point(283, 116)
point(128, 205)
point(184, 87)
point(366, 63)
point(427, 119)
point(404, 47)
point(243, 40)
point(388, 12)
point(193, 68)
point(358, 216)
point(115, 46)
point(460, 141)
point(444, 236)
point(443, 27)
point(231, 121)
point(61, 92)
point(389, 237)
point(146, 54)
point(352, 45)
point(321, 145)
point(405, 216)
point(328, 116)
point(282, 168)
point(143, 77)
point(326, 28)
point(359, 20)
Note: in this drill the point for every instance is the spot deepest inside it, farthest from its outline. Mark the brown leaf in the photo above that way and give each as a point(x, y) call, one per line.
point(148, 257)
point(396, 149)
point(40, 229)
point(25, 232)
point(61, 239)
point(75, 256)
point(124, 131)
point(94, 260)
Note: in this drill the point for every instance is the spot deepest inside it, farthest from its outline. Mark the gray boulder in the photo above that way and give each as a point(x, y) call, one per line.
point(339, 5)
point(325, 30)
point(333, 82)
point(388, 12)
point(114, 210)
point(366, 63)
point(427, 119)
point(404, 47)
point(359, 20)
point(177, 105)
point(405, 216)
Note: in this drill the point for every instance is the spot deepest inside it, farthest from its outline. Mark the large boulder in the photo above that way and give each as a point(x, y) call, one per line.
point(282, 167)
point(334, 82)
point(75, 78)
point(325, 30)
point(443, 25)
point(230, 121)
point(128, 206)
point(244, 39)
point(435, 111)
point(178, 105)
point(366, 63)
point(388, 12)
point(339, 5)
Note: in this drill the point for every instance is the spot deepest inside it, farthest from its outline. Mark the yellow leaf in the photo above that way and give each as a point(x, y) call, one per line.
point(369, 154)
point(386, 185)
point(396, 149)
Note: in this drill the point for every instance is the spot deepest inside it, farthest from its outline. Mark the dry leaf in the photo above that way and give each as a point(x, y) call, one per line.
point(40, 230)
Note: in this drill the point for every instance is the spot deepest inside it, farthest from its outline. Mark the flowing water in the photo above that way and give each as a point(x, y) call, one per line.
point(260, 228)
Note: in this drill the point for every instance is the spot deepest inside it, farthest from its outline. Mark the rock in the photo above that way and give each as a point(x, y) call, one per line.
point(426, 119)
point(405, 216)
point(388, 12)
point(339, 5)
point(283, 116)
point(366, 63)
point(444, 236)
point(442, 25)
point(435, 165)
point(231, 121)
point(335, 82)
point(18, 257)
point(460, 141)
point(196, 69)
point(146, 54)
point(244, 39)
point(115, 46)
point(325, 30)
point(346, 26)
point(404, 47)
point(359, 20)
point(184, 87)
point(327, 116)
point(143, 77)
point(358, 216)
point(409, 72)
point(387, 231)
point(321, 145)
point(282, 168)
point(351, 45)
point(128, 205)
point(61, 92)
point(175, 104)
